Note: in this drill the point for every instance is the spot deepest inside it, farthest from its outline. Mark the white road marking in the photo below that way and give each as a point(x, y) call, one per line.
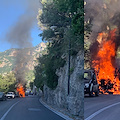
point(3, 117)
point(56, 112)
point(101, 110)
point(34, 109)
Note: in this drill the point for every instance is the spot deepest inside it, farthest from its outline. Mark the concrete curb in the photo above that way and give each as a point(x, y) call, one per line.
point(56, 112)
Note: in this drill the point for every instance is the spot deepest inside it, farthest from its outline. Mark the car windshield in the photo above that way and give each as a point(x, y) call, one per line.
point(87, 75)
point(1, 94)
point(10, 93)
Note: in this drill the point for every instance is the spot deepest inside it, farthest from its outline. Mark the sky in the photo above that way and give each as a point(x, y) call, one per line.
point(18, 24)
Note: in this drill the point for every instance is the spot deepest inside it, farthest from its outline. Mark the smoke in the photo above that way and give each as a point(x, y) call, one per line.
point(19, 35)
point(20, 69)
point(104, 15)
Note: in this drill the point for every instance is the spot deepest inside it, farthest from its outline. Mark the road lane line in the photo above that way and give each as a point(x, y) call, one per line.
point(56, 112)
point(3, 117)
point(101, 110)
point(34, 109)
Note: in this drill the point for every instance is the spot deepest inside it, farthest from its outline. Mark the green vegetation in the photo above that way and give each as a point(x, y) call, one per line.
point(6, 61)
point(71, 70)
point(7, 82)
point(29, 77)
point(31, 85)
point(63, 23)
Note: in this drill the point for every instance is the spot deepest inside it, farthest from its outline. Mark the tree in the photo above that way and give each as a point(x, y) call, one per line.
point(31, 85)
point(7, 82)
point(63, 21)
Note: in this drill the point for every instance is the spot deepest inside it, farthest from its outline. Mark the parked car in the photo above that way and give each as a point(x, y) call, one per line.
point(10, 95)
point(91, 85)
point(2, 96)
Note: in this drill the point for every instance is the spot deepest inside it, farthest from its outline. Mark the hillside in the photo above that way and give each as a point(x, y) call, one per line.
point(8, 57)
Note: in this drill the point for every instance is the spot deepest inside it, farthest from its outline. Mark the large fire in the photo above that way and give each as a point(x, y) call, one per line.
point(20, 90)
point(104, 63)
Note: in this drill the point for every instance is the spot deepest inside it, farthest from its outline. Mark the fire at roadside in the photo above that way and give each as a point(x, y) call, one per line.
point(108, 75)
point(104, 16)
point(20, 90)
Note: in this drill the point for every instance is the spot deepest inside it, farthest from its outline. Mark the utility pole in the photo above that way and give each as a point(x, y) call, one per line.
point(69, 56)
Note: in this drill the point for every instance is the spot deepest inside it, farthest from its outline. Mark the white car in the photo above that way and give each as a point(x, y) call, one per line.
point(10, 95)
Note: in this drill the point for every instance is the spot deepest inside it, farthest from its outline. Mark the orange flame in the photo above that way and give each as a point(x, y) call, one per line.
point(103, 63)
point(20, 90)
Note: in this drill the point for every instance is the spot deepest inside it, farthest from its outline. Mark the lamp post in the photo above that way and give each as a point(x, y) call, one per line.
point(69, 56)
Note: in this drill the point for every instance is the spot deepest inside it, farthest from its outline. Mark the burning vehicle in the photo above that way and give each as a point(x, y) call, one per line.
point(103, 43)
point(104, 63)
point(91, 85)
point(21, 90)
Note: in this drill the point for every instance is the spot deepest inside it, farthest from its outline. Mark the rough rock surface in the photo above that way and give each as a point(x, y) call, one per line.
point(74, 102)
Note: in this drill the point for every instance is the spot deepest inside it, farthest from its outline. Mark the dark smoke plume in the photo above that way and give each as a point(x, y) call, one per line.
point(104, 15)
point(19, 35)
point(101, 13)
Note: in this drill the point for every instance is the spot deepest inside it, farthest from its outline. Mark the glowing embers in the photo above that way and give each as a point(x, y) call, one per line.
point(20, 90)
point(104, 63)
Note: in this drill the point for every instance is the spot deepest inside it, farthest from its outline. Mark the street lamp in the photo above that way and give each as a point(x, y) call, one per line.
point(53, 27)
point(69, 56)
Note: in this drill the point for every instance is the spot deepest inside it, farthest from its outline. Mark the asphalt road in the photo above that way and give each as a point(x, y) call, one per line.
point(104, 107)
point(28, 108)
